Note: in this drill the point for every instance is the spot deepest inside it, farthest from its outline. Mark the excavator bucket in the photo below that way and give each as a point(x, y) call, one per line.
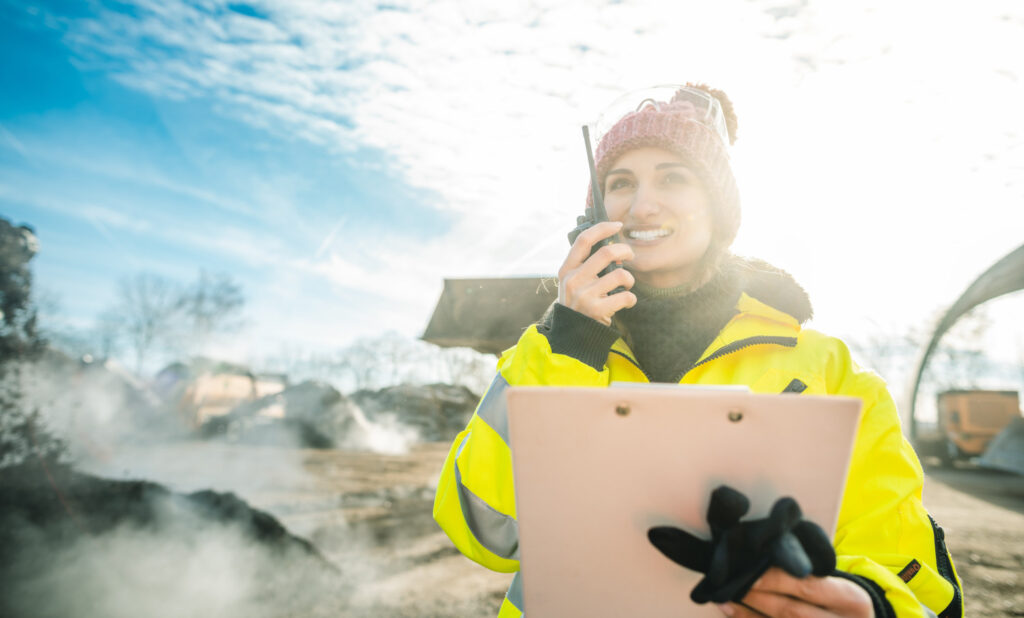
point(489, 315)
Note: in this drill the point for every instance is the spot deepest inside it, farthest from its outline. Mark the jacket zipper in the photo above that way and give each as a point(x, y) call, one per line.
point(729, 348)
point(955, 607)
point(633, 362)
point(741, 344)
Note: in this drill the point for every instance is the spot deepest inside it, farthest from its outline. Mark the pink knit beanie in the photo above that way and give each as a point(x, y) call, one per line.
point(679, 126)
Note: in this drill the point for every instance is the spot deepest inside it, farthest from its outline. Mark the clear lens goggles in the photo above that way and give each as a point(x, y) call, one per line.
point(704, 108)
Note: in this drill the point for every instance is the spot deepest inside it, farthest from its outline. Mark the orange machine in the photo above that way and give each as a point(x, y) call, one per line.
point(970, 419)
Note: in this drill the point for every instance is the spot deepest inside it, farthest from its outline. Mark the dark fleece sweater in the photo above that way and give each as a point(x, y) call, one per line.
point(669, 329)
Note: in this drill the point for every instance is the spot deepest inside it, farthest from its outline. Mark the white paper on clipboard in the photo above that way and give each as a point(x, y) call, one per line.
point(596, 467)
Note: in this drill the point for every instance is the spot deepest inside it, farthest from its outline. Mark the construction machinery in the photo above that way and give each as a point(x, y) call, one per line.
point(968, 421)
point(958, 435)
point(489, 315)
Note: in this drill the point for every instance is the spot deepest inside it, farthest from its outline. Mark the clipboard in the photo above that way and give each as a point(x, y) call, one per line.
point(594, 468)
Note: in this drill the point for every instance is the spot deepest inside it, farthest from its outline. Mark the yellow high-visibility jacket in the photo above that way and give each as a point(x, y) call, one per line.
point(884, 536)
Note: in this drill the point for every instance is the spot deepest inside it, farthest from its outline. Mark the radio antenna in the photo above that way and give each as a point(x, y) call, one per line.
point(599, 212)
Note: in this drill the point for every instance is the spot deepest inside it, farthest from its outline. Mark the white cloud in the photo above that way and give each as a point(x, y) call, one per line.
point(98, 215)
point(881, 138)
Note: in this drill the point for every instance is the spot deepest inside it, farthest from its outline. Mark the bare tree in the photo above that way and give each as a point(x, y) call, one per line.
point(212, 305)
point(107, 334)
point(961, 351)
point(361, 363)
point(387, 359)
point(383, 360)
point(149, 306)
point(464, 366)
point(883, 351)
point(399, 358)
point(154, 313)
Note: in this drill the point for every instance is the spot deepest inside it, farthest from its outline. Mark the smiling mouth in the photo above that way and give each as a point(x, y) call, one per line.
point(648, 234)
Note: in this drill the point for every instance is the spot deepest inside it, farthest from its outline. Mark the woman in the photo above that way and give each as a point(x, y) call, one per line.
point(693, 313)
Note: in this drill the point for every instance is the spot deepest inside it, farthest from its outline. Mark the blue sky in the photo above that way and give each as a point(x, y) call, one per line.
point(118, 180)
point(340, 159)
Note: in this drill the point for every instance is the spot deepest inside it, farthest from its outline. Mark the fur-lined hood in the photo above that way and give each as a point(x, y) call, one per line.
point(772, 286)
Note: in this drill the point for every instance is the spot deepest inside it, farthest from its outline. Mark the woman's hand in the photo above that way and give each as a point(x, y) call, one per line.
point(779, 594)
point(580, 287)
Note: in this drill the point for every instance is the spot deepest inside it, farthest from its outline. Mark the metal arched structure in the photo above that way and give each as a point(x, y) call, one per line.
point(1004, 277)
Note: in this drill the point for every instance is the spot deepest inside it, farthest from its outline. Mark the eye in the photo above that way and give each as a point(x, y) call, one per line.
point(619, 182)
point(676, 178)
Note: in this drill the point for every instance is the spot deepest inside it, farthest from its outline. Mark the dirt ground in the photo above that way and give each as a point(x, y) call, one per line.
point(982, 512)
point(370, 515)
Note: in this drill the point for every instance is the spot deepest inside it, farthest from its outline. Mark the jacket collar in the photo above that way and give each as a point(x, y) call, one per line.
point(754, 321)
point(772, 286)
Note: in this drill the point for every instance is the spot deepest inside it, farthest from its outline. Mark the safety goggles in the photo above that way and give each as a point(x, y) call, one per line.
point(701, 106)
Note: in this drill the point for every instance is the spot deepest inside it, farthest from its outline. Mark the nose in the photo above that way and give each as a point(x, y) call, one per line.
point(645, 203)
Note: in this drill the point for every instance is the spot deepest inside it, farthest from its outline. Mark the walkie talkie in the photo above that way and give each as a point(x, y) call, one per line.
point(595, 214)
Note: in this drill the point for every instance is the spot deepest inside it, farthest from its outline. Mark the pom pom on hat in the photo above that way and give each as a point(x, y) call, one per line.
point(728, 111)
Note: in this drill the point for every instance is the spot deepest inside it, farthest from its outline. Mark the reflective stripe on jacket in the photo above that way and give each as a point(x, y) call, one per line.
point(883, 533)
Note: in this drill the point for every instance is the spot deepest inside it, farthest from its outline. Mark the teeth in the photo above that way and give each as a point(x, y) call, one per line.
point(648, 234)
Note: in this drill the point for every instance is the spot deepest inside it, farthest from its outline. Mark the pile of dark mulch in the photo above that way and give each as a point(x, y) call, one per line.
point(436, 411)
point(72, 544)
point(315, 415)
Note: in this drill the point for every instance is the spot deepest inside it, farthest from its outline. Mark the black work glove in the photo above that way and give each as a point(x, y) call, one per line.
point(740, 552)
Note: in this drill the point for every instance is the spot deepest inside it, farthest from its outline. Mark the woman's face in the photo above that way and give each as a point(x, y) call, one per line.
point(665, 211)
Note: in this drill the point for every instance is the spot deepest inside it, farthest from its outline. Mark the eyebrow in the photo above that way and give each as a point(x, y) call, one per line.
point(659, 166)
